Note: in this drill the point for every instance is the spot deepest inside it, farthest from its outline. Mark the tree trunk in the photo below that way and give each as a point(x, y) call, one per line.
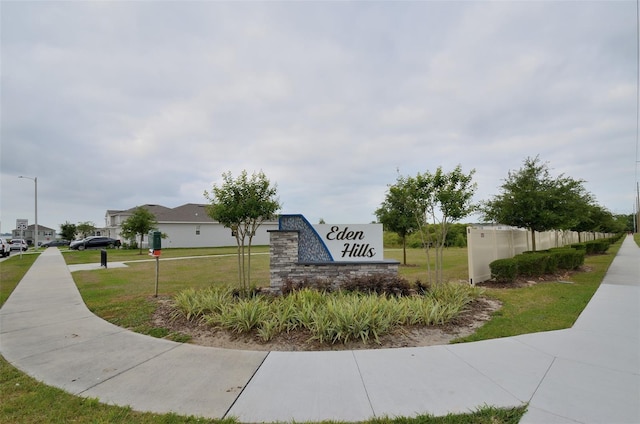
point(244, 274)
point(249, 263)
point(404, 249)
point(239, 263)
point(533, 239)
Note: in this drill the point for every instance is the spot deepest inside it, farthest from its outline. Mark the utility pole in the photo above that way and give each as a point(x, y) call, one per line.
point(35, 239)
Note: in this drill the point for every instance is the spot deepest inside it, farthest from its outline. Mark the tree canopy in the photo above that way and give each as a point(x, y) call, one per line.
point(427, 204)
point(85, 229)
point(532, 198)
point(68, 231)
point(441, 198)
point(396, 213)
point(243, 204)
point(140, 223)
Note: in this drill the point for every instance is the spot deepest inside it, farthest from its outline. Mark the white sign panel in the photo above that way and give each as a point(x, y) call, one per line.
point(22, 224)
point(353, 242)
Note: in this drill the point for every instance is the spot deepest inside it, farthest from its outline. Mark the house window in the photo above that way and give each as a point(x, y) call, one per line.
point(197, 230)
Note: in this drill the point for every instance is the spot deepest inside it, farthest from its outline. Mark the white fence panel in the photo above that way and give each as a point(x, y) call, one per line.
point(487, 244)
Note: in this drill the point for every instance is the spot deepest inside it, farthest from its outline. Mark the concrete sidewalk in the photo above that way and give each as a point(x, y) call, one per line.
point(587, 374)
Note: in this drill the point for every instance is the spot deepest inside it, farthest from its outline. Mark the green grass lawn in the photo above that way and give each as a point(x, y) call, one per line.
point(455, 263)
point(12, 270)
point(545, 306)
point(124, 255)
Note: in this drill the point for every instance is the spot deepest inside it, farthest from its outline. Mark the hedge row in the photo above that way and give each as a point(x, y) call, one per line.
point(595, 247)
point(536, 264)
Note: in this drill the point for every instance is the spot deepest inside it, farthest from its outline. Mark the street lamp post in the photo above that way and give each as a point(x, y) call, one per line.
point(35, 180)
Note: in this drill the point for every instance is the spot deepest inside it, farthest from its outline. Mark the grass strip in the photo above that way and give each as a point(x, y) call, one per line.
point(545, 306)
point(12, 270)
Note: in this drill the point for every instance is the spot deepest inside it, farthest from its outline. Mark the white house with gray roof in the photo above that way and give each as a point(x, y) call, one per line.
point(188, 225)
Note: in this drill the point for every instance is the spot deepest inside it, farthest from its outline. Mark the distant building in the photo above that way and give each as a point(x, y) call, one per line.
point(188, 225)
point(44, 234)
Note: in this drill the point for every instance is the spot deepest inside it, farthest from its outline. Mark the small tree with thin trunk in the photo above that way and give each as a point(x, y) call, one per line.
point(440, 199)
point(140, 223)
point(242, 205)
point(396, 213)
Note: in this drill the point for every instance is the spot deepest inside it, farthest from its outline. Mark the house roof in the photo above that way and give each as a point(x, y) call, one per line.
point(41, 227)
point(189, 212)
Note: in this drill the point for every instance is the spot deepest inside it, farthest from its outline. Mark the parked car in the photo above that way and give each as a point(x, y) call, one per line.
point(19, 244)
point(52, 243)
point(5, 250)
point(94, 242)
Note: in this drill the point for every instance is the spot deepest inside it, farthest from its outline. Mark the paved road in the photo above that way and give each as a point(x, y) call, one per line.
point(589, 373)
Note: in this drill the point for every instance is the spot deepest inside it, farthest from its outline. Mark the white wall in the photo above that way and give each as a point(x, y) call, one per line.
point(485, 245)
point(211, 235)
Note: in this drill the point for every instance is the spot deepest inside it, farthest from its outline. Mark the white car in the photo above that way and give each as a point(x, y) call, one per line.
point(19, 244)
point(5, 250)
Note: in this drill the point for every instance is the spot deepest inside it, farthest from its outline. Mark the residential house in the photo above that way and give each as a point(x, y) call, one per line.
point(44, 234)
point(188, 225)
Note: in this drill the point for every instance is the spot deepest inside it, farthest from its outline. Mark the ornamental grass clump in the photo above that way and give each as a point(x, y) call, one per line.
point(197, 304)
point(348, 316)
point(245, 315)
point(335, 317)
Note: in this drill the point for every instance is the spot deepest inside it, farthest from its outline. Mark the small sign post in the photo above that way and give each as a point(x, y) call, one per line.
point(22, 224)
point(155, 250)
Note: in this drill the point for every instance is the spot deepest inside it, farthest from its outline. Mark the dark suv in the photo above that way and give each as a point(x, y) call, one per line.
point(94, 242)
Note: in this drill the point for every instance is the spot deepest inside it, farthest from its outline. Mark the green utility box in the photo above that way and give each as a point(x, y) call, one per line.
point(155, 240)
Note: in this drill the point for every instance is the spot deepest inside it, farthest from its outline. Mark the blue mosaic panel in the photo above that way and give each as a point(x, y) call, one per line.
point(310, 245)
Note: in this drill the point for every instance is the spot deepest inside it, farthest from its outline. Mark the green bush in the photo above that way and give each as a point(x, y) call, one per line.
point(533, 264)
point(552, 263)
point(504, 270)
point(379, 284)
point(567, 258)
point(597, 247)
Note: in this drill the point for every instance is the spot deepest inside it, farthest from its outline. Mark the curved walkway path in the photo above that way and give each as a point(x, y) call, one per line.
point(589, 373)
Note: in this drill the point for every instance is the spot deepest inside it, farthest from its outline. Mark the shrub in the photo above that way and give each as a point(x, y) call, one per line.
point(246, 315)
point(596, 247)
point(379, 284)
point(568, 259)
point(532, 265)
point(504, 270)
point(289, 286)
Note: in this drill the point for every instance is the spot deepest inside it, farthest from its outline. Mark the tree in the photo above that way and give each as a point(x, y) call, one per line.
point(396, 215)
point(242, 205)
point(140, 223)
point(595, 218)
point(68, 231)
point(85, 229)
point(531, 198)
point(456, 235)
point(626, 222)
point(440, 199)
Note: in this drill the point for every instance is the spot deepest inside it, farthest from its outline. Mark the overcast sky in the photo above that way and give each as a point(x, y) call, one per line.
point(117, 104)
